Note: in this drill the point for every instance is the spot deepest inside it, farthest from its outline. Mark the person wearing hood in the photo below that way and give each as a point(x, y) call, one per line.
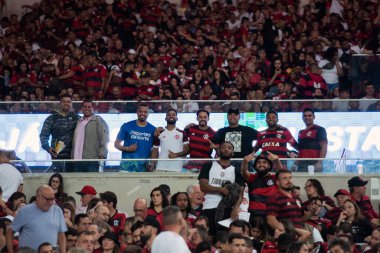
point(261, 184)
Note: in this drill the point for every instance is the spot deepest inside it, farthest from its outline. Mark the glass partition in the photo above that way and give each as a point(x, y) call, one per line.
point(329, 166)
point(159, 106)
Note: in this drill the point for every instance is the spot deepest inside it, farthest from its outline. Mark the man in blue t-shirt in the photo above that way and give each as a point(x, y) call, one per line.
point(39, 222)
point(137, 136)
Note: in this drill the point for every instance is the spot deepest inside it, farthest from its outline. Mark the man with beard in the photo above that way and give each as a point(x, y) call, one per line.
point(199, 140)
point(149, 232)
point(136, 233)
point(137, 136)
point(312, 142)
point(212, 178)
point(261, 184)
point(61, 126)
point(174, 144)
point(283, 205)
point(275, 138)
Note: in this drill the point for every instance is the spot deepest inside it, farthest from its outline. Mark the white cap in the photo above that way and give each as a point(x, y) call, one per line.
point(132, 51)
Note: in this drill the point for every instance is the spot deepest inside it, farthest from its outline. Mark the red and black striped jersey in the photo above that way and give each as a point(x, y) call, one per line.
point(309, 140)
point(93, 76)
point(284, 207)
point(259, 189)
point(275, 141)
point(199, 141)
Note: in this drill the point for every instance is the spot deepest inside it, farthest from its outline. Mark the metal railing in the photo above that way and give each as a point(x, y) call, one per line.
point(187, 165)
point(160, 106)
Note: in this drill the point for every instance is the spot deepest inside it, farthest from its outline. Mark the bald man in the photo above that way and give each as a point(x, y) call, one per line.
point(139, 208)
point(39, 222)
point(102, 213)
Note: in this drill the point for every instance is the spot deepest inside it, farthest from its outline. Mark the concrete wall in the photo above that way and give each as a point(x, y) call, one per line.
point(129, 186)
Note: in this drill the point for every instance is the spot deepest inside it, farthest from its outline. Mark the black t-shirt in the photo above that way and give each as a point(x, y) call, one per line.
point(241, 137)
point(361, 229)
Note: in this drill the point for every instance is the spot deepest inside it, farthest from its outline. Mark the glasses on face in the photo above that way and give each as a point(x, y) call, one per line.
point(48, 199)
point(138, 210)
point(308, 186)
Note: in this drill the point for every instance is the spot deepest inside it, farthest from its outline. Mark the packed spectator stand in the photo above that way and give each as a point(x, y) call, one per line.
point(211, 51)
point(232, 50)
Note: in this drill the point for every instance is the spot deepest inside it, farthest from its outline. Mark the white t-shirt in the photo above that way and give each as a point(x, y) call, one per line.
point(216, 175)
point(10, 179)
point(169, 242)
point(330, 75)
point(365, 103)
point(170, 141)
point(339, 106)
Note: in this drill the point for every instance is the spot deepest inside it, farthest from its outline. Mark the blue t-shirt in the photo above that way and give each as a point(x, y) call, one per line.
point(131, 133)
point(36, 226)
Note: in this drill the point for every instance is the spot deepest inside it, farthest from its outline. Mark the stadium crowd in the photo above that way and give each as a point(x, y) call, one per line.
point(207, 50)
point(195, 219)
point(90, 50)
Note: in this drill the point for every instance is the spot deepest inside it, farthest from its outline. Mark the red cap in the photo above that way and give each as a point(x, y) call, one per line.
point(341, 192)
point(88, 189)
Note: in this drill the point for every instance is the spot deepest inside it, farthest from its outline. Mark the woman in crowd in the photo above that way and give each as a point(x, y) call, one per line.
point(14, 200)
point(69, 214)
point(298, 247)
point(181, 199)
point(110, 243)
point(56, 182)
point(360, 227)
point(313, 188)
point(158, 202)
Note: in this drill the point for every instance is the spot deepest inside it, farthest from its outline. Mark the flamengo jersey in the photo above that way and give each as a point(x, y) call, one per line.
point(93, 76)
point(199, 142)
point(309, 141)
point(259, 191)
point(275, 141)
point(117, 222)
point(283, 207)
point(170, 141)
point(216, 175)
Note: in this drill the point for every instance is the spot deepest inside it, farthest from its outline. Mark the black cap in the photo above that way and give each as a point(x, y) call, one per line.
point(233, 110)
point(356, 181)
point(110, 235)
point(151, 221)
point(145, 74)
point(262, 157)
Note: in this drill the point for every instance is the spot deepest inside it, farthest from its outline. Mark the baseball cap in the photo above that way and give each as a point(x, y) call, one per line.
point(151, 221)
point(356, 181)
point(262, 157)
point(87, 189)
point(145, 74)
point(341, 192)
point(233, 110)
point(110, 235)
point(7, 218)
point(132, 51)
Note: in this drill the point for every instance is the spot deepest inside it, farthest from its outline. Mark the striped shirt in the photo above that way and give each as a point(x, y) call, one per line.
point(284, 207)
point(275, 141)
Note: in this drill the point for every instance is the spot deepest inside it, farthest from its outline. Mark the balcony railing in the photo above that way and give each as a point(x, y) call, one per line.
point(329, 166)
point(161, 106)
